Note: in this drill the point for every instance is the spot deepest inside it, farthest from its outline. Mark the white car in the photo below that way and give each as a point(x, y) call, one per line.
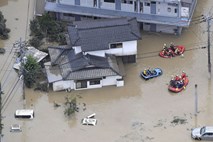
point(15, 128)
point(89, 121)
point(202, 133)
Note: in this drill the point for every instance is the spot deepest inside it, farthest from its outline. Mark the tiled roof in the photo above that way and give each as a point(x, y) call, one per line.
point(89, 66)
point(91, 74)
point(98, 34)
point(60, 54)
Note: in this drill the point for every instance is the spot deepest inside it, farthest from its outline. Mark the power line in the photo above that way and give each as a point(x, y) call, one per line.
point(5, 101)
point(9, 101)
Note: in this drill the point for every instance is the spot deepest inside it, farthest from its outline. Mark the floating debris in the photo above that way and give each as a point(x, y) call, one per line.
point(178, 120)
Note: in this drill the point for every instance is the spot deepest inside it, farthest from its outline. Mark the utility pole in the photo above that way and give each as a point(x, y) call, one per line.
point(209, 44)
point(196, 100)
point(1, 125)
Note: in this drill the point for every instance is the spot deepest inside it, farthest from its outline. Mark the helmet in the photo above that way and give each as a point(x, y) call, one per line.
point(164, 44)
point(183, 71)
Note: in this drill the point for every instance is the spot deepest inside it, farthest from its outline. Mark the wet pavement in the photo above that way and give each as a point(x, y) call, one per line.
point(139, 111)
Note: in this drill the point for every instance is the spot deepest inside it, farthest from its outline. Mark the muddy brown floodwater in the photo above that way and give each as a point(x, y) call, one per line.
point(139, 111)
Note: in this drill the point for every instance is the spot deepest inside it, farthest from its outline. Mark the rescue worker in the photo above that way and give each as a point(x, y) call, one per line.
point(183, 76)
point(172, 82)
point(172, 46)
point(177, 78)
point(165, 47)
point(145, 72)
point(177, 52)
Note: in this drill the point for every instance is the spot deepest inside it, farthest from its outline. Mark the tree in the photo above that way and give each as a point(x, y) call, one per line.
point(31, 71)
point(46, 27)
point(3, 29)
point(71, 106)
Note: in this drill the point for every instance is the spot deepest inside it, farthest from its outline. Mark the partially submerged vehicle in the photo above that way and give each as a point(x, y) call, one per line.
point(151, 73)
point(15, 128)
point(89, 120)
point(202, 133)
point(24, 113)
point(178, 50)
point(2, 50)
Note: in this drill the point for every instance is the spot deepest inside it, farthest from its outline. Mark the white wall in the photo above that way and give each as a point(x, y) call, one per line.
point(129, 48)
point(70, 84)
point(63, 85)
point(107, 5)
point(110, 80)
point(67, 2)
point(77, 49)
point(146, 9)
point(162, 9)
point(127, 7)
point(100, 53)
point(86, 3)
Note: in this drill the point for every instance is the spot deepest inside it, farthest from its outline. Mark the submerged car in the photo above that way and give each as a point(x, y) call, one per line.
point(15, 128)
point(202, 133)
point(89, 121)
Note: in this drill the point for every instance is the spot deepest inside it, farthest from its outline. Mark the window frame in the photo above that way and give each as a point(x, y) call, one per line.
point(116, 45)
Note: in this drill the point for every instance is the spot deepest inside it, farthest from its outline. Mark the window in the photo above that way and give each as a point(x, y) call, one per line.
point(169, 9)
point(147, 23)
point(67, 14)
point(123, 1)
point(81, 84)
point(127, 1)
point(116, 45)
point(147, 4)
point(175, 10)
point(173, 4)
point(94, 82)
point(111, 1)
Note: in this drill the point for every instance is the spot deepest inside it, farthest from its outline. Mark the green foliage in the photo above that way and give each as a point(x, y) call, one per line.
point(31, 71)
point(46, 27)
point(3, 29)
point(71, 106)
point(35, 42)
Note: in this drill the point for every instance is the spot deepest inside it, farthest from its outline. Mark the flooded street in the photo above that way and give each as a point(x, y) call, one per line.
point(141, 111)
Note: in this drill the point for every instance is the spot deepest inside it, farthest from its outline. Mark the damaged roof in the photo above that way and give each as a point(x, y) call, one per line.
point(90, 66)
point(73, 66)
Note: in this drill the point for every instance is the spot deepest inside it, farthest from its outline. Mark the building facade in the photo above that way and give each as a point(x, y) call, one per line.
point(94, 55)
point(167, 16)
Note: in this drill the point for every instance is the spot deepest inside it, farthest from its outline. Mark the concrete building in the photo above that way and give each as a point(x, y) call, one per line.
point(167, 16)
